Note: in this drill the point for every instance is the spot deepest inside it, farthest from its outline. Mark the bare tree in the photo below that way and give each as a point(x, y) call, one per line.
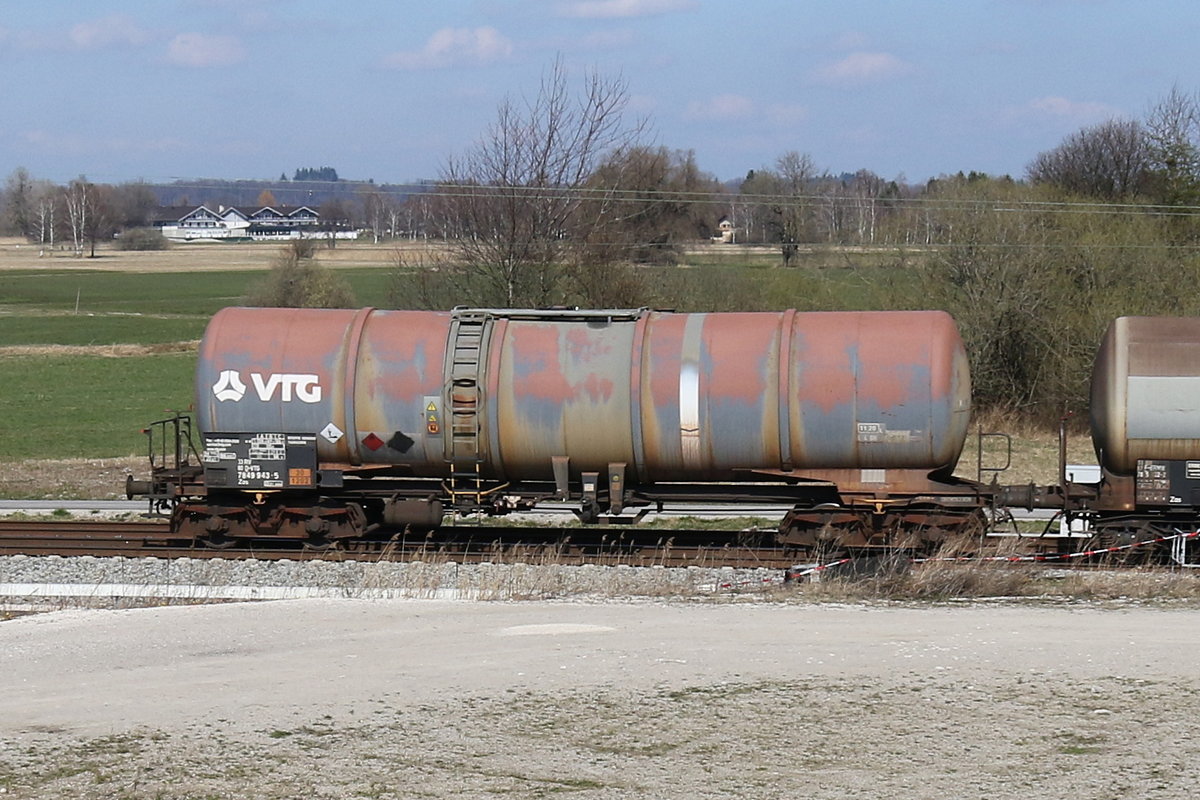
point(76, 202)
point(514, 206)
point(17, 195)
point(796, 173)
point(753, 194)
point(133, 204)
point(335, 217)
point(1109, 161)
point(47, 198)
point(664, 199)
point(865, 190)
point(413, 213)
point(99, 218)
point(377, 208)
point(781, 201)
point(1173, 134)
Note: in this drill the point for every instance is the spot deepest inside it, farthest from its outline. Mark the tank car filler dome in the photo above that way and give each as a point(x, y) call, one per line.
point(670, 396)
point(1145, 396)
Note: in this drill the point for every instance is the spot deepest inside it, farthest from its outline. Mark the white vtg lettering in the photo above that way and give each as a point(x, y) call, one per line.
point(305, 387)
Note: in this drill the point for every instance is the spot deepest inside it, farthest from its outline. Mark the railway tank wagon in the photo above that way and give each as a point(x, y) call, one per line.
point(1145, 423)
point(331, 423)
point(1145, 416)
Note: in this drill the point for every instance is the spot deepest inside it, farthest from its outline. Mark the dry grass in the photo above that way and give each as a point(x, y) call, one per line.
point(1147, 584)
point(931, 581)
point(104, 350)
point(69, 478)
point(897, 579)
point(15, 253)
point(1034, 449)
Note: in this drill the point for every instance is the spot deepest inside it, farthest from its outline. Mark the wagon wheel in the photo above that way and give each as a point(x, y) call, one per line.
point(203, 529)
point(216, 540)
point(318, 542)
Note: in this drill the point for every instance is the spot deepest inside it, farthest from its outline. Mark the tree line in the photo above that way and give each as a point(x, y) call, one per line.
point(577, 157)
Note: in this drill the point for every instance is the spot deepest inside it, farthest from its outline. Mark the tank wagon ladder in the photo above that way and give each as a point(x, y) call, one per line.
point(468, 334)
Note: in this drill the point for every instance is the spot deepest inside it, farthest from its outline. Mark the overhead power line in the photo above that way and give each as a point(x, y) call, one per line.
point(298, 191)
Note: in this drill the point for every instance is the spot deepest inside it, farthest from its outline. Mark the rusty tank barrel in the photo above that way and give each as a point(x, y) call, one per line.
point(1145, 395)
point(670, 396)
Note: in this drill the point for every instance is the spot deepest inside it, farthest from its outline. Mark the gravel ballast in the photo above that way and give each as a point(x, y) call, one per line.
point(104, 578)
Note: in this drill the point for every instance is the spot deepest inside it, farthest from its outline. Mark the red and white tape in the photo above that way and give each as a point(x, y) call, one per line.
point(1058, 557)
point(1036, 558)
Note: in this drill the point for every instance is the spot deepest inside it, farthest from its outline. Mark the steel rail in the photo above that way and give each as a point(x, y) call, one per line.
point(465, 544)
point(546, 544)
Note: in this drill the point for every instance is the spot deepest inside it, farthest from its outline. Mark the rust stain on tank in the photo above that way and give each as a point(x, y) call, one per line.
point(827, 362)
point(406, 371)
point(666, 343)
point(891, 369)
point(597, 389)
point(537, 373)
point(582, 346)
point(738, 347)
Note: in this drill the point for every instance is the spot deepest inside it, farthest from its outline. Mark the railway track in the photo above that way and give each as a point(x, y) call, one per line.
point(472, 544)
point(463, 544)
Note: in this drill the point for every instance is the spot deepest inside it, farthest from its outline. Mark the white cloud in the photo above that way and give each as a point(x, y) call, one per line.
point(721, 107)
point(611, 9)
point(454, 47)
point(111, 31)
point(115, 30)
point(201, 50)
point(862, 67)
point(736, 108)
point(1072, 109)
point(786, 113)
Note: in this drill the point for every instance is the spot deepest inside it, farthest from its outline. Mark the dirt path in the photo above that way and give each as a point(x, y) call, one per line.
point(436, 699)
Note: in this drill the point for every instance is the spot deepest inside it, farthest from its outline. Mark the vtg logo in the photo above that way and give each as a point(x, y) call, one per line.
point(305, 388)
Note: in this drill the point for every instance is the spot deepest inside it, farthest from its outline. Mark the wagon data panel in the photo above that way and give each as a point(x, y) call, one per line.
point(260, 460)
point(1168, 483)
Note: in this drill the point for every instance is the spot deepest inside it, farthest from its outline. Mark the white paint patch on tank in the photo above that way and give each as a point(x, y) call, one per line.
point(1163, 407)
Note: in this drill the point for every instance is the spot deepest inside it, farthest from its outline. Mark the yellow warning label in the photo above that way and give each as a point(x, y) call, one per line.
point(430, 408)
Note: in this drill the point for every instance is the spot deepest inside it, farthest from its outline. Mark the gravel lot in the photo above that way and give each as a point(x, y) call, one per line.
point(422, 698)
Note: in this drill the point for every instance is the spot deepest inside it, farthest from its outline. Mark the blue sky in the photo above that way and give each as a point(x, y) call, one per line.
point(164, 89)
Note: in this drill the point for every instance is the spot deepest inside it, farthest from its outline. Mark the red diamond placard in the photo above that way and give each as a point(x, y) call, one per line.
point(372, 441)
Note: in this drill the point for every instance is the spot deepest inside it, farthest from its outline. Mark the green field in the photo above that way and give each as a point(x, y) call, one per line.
point(90, 401)
point(188, 294)
point(87, 406)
